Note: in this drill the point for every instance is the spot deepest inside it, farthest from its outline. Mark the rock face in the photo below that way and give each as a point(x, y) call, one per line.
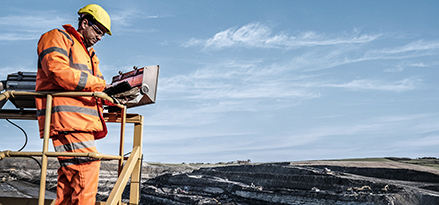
point(270, 183)
point(285, 183)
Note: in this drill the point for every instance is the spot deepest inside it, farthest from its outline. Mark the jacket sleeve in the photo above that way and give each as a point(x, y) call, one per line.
point(54, 49)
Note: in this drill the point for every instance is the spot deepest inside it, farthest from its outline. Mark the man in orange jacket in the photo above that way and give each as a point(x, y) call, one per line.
point(67, 62)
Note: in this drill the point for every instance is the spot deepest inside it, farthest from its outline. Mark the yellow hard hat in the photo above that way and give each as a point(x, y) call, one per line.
point(99, 14)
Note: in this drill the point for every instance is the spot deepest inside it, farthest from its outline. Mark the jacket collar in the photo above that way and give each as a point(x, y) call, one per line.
point(71, 30)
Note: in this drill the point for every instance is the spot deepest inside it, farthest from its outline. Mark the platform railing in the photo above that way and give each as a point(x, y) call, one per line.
point(131, 168)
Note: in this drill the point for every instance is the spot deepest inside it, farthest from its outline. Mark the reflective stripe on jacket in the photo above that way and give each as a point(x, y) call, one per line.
point(64, 64)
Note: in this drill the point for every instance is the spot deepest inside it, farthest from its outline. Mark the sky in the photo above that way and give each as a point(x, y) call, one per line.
point(268, 81)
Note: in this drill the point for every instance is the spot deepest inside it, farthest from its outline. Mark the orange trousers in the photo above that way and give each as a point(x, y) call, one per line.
point(78, 177)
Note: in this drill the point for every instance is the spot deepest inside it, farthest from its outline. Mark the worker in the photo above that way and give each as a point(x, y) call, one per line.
point(67, 62)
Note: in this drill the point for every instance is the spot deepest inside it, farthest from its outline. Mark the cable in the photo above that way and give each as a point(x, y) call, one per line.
point(25, 135)
point(25, 143)
point(38, 162)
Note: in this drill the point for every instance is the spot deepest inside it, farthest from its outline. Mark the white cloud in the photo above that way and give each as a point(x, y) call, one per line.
point(337, 137)
point(125, 17)
point(422, 65)
point(427, 141)
point(238, 81)
point(416, 46)
point(129, 20)
point(405, 64)
point(259, 35)
point(367, 84)
point(30, 22)
point(28, 26)
point(8, 70)
point(406, 127)
point(329, 57)
point(410, 50)
point(17, 37)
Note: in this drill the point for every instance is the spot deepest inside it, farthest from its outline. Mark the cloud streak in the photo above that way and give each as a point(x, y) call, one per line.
point(260, 36)
point(28, 27)
point(367, 84)
point(310, 140)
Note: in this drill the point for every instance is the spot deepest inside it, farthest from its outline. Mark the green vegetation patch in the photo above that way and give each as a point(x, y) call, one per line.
point(423, 161)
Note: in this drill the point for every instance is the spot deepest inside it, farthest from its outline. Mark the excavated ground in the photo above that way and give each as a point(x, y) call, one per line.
point(311, 182)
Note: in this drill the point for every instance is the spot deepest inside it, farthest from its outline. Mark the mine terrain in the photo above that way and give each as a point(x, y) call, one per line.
point(368, 181)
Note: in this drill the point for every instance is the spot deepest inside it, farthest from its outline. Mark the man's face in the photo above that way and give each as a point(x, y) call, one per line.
point(92, 33)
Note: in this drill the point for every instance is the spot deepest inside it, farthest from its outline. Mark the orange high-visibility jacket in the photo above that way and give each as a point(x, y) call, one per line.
point(64, 64)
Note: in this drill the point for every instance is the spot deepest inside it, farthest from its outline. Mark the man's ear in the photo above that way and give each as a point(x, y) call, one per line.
point(84, 23)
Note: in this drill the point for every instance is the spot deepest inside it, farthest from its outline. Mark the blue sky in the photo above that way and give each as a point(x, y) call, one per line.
point(260, 80)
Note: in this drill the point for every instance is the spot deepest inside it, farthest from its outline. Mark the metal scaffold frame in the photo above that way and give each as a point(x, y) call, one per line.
point(130, 169)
